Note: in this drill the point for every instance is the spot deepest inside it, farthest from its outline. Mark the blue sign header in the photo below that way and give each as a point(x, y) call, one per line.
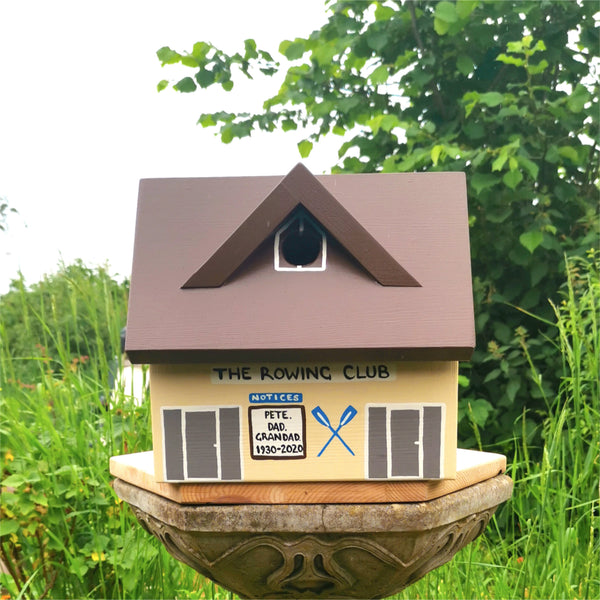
point(270, 397)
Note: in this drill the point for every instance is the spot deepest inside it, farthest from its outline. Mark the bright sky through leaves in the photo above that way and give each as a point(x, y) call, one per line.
point(82, 122)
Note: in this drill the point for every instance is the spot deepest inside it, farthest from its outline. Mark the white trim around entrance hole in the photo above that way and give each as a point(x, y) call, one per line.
point(300, 268)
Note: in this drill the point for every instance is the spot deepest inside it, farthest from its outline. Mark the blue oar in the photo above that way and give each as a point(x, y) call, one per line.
point(347, 416)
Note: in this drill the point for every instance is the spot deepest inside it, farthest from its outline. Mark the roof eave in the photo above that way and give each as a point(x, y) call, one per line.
point(211, 356)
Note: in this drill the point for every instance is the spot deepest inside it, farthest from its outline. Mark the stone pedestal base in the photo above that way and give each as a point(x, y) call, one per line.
point(318, 550)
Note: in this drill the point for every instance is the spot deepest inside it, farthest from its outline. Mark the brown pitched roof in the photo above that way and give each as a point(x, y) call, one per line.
point(407, 231)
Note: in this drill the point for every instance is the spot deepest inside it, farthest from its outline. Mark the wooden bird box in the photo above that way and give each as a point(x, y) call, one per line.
point(304, 328)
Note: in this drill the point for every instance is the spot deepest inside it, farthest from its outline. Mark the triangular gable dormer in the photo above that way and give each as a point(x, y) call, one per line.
point(301, 191)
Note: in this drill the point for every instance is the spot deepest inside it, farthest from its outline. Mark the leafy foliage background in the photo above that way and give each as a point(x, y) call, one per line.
point(506, 92)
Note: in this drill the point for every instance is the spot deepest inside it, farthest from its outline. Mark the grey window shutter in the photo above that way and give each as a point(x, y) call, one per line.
point(173, 445)
point(377, 447)
point(229, 426)
point(432, 441)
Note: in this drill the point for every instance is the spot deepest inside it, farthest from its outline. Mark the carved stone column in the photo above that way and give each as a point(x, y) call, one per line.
point(318, 550)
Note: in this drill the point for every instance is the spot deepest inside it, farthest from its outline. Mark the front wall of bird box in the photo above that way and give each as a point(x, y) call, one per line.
point(304, 422)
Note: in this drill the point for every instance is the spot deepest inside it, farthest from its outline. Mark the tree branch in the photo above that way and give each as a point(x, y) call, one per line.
point(413, 23)
point(11, 564)
point(439, 102)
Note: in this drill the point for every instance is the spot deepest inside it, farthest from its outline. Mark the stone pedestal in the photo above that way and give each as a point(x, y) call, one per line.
point(318, 550)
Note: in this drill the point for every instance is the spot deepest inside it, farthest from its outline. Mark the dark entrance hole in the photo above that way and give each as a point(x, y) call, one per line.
point(301, 246)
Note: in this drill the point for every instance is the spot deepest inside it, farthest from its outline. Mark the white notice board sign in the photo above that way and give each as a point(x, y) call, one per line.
point(277, 432)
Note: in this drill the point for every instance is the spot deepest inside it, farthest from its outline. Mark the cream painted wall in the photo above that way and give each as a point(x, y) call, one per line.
point(408, 383)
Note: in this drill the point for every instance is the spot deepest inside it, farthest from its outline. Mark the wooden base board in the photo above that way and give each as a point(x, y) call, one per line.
point(472, 467)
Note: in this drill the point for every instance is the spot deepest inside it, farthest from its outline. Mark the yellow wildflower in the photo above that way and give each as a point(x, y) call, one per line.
point(98, 557)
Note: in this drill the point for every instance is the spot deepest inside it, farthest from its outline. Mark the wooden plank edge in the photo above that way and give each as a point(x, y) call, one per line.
point(347, 492)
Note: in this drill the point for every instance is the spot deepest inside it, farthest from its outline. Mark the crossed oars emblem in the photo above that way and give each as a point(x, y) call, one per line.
point(319, 414)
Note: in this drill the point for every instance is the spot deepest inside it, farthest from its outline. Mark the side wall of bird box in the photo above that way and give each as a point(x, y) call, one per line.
point(304, 422)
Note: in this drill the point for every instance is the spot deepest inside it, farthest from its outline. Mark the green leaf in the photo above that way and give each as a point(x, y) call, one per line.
point(464, 64)
point(435, 153)
point(385, 122)
point(470, 99)
point(15, 480)
point(7, 527)
point(185, 85)
point(492, 375)
point(446, 11)
point(292, 50)
point(189, 61)
point(578, 98)
point(375, 124)
point(570, 153)
point(379, 75)
point(491, 98)
point(421, 77)
point(305, 147)
point(515, 47)
point(41, 500)
point(227, 85)
point(529, 166)
point(510, 60)
point(384, 13)
point(539, 68)
point(474, 130)
point(512, 387)
point(78, 566)
point(389, 164)
point(348, 103)
point(441, 27)
point(539, 47)
point(538, 272)
point(26, 506)
point(226, 134)
point(463, 381)
point(288, 125)
point(481, 181)
point(428, 126)
point(512, 178)
point(168, 56)
point(498, 214)
point(499, 162)
point(250, 47)
point(162, 85)
point(479, 410)
point(200, 50)
point(206, 120)
point(464, 8)
point(377, 40)
point(512, 110)
point(204, 77)
point(552, 155)
point(531, 240)
point(324, 54)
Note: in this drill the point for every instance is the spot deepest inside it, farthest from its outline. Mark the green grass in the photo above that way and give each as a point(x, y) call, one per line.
point(65, 534)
